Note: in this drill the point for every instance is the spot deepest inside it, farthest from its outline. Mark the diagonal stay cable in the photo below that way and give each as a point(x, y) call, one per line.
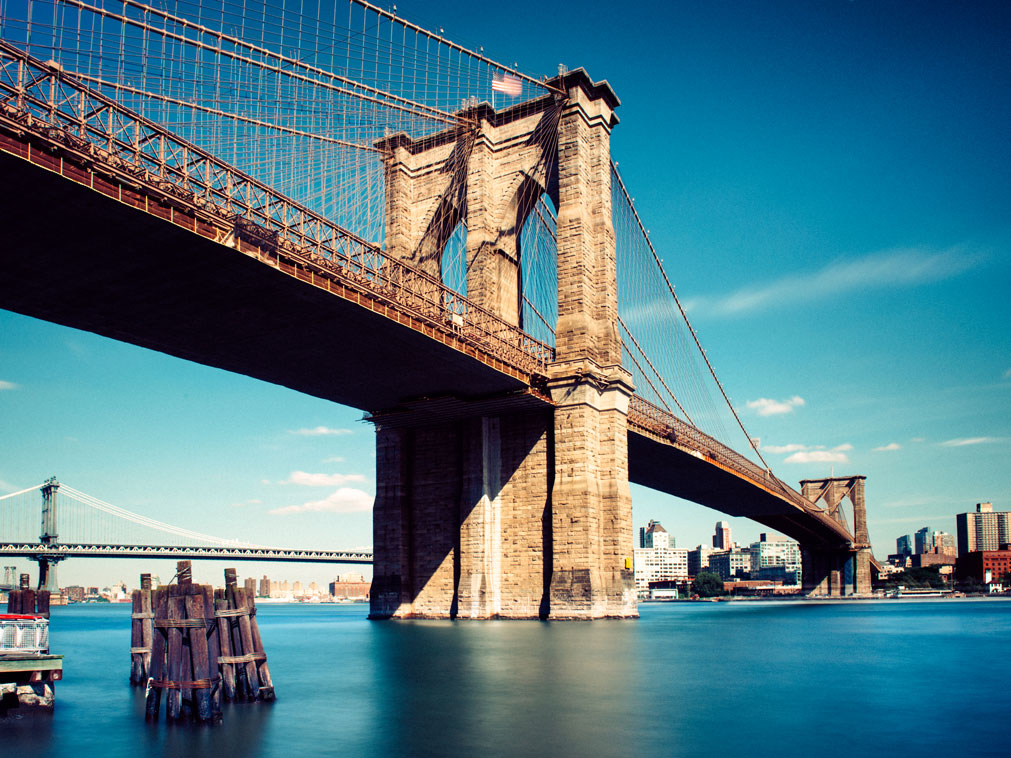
point(691, 329)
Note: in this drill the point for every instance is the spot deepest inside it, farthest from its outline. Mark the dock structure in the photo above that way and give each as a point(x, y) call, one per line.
point(28, 671)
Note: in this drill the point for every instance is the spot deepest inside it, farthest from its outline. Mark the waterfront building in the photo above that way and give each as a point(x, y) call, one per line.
point(249, 585)
point(698, 560)
point(721, 540)
point(264, 587)
point(342, 588)
point(984, 566)
point(75, 594)
point(657, 559)
point(924, 543)
point(730, 564)
point(986, 529)
point(776, 558)
point(904, 545)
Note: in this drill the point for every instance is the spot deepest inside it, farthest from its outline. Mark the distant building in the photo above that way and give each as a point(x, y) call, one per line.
point(931, 559)
point(698, 560)
point(249, 585)
point(264, 587)
point(730, 564)
point(342, 589)
point(654, 536)
point(657, 559)
point(944, 544)
point(923, 540)
point(75, 594)
point(984, 566)
point(986, 529)
point(721, 540)
point(776, 558)
point(904, 545)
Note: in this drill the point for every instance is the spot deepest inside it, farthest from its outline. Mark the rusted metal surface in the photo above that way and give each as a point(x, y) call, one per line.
point(39, 101)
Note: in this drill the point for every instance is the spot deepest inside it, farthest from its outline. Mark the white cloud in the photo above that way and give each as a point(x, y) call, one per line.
point(845, 447)
point(818, 456)
point(963, 441)
point(305, 479)
point(320, 431)
point(917, 439)
point(793, 447)
point(767, 407)
point(343, 500)
point(334, 459)
point(889, 446)
point(8, 386)
point(254, 501)
point(887, 268)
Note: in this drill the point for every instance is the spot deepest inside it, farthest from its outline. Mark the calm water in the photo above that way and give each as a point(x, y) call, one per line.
point(784, 679)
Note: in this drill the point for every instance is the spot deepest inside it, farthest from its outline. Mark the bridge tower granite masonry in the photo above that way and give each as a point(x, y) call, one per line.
point(824, 570)
point(512, 507)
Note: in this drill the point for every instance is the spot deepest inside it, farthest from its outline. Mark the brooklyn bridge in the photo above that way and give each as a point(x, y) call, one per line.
point(364, 211)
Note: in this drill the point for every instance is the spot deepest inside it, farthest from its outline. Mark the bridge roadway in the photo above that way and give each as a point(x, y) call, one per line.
point(36, 550)
point(94, 243)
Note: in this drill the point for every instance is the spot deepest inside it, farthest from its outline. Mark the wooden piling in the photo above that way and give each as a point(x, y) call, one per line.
point(184, 652)
point(157, 671)
point(205, 643)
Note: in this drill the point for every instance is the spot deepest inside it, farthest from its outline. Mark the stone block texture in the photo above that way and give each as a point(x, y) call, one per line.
point(525, 514)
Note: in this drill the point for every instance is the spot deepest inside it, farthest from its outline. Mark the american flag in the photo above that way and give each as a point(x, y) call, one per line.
point(507, 84)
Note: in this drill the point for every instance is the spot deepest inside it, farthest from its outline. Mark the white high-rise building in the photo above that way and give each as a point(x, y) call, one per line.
point(656, 559)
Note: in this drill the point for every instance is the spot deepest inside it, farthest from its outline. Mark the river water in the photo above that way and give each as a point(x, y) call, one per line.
point(751, 678)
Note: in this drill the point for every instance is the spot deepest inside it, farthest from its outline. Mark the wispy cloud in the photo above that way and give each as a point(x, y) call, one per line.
point(767, 407)
point(334, 459)
point(793, 447)
point(818, 456)
point(320, 431)
point(305, 479)
point(903, 267)
point(889, 446)
point(963, 441)
point(254, 501)
point(343, 500)
point(1006, 374)
point(811, 453)
point(8, 386)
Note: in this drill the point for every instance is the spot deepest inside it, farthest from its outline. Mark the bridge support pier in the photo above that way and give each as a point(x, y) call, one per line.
point(833, 491)
point(525, 511)
point(824, 572)
point(462, 517)
point(47, 573)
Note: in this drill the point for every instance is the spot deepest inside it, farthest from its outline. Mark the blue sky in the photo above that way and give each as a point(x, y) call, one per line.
point(828, 184)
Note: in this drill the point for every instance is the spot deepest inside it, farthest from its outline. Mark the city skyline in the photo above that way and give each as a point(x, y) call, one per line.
point(827, 186)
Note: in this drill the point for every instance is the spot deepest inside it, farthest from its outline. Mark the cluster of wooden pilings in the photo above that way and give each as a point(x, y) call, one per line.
point(28, 602)
point(197, 645)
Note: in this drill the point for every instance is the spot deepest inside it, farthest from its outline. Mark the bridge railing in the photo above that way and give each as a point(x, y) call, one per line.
point(665, 424)
point(41, 99)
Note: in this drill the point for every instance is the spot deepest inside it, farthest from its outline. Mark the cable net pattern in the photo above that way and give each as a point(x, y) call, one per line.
point(295, 95)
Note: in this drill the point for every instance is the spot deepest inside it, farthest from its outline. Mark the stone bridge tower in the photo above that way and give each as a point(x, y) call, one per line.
point(824, 571)
point(512, 507)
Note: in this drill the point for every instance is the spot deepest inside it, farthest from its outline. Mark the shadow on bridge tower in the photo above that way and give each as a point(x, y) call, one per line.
point(511, 506)
point(826, 570)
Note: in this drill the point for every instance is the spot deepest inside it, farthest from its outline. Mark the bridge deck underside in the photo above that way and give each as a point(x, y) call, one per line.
point(667, 468)
point(73, 256)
